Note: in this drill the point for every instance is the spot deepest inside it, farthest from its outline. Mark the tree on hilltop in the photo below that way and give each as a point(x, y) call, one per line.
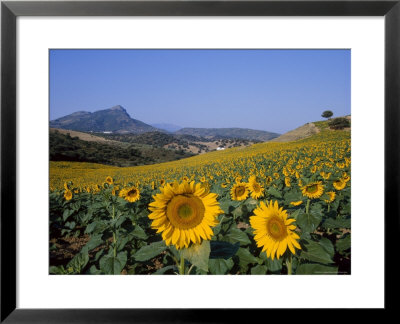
point(327, 114)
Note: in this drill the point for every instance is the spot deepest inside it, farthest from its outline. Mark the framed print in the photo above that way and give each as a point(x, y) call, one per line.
point(154, 150)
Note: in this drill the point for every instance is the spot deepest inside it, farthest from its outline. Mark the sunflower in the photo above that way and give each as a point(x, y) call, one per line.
point(339, 184)
point(313, 190)
point(130, 194)
point(273, 230)
point(109, 180)
point(268, 180)
point(325, 175)
point(256, 189)
point(331, 195)
point(296, 203)
point(184, 213)
point(276, 175)
point(287, 181)
point(239, 191)
point(114, 190)
point(345, 177)
point(68, 194)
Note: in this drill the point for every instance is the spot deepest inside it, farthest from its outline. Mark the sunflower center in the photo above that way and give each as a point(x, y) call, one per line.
point(256, 187)
point(239, 191)
point(276, 228)
point(185, 211)
point(312, 188)
point(132, 193)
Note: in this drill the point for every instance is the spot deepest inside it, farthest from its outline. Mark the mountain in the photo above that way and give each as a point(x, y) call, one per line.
point(167, 127)
point(240, 133)
point(114, 119)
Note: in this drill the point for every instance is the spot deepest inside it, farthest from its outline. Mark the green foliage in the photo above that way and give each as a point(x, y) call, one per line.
point(67, 148)
point(339, 123)
point(327, 114)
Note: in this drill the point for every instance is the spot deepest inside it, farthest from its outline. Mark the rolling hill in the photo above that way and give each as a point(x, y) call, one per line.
point(240, 133)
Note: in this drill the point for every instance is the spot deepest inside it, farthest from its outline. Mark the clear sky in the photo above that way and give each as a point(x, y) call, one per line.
point(272, 90)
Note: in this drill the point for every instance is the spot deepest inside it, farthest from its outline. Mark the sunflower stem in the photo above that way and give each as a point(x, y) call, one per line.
point(289, 265)
point(182, 265)
point(307, 206)
point(114, 234)
point(190, 269)
point(329, 207)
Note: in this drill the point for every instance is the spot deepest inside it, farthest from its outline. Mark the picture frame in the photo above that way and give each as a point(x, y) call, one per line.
point(10, 10)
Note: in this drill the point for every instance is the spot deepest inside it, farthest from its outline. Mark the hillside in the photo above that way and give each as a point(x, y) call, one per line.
point(187, 143)
point(115, 120)
point(63, 147)
point(233, 133)
point(308, 130)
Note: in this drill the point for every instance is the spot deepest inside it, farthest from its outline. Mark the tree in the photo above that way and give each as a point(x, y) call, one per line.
point(327, 114)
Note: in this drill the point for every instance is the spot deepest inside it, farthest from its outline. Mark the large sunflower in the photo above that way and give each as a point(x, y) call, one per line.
point(273, 230)
point(130, 194)
point(239, 191)
point(313, 190)
point(256, 190)
point(184, 213)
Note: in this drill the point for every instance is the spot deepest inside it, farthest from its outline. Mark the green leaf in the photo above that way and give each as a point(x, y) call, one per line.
point(165, 269)
point(327, 245)
point(295, 214)
point(240, 211)
point(67, 213)
point(274, 265)
point(273, 192)
point(147, 252)
point(314, 251)
point(308, 222)
point(237, 235)
point(245, 258)
point(113, 265)
point(118, 222)
point(315, 269)
point(79, 261)
point(293, 195)
point(344, 243)
point(94, 271)
point(57, 270)
point(316, 210)
point(251, 203)
point(121, 242)
point(198, 255)
point(337, 223)
point(96, 227)
point(259, 270)
point(139, 233)
point(224, 250)
point(94, 242)
point(220, 266)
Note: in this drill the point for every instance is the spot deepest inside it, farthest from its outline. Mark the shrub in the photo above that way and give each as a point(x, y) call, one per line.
point(339, 123)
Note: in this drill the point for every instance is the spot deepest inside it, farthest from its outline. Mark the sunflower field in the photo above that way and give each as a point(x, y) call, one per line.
point(271, 208)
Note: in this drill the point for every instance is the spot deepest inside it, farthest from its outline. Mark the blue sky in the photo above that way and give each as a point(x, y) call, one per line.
point(272, 90)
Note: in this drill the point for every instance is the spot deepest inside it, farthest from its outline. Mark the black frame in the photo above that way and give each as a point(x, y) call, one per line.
point(10, 10)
